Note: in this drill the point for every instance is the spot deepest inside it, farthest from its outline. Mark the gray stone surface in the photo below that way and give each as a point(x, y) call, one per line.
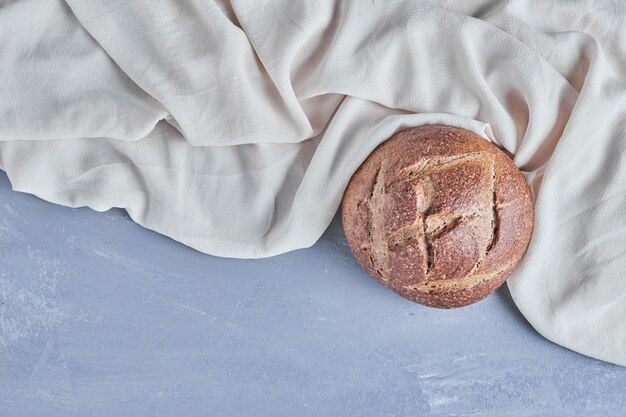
point(100, 317)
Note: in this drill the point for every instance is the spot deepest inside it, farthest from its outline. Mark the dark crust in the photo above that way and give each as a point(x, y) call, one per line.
point(439, 215)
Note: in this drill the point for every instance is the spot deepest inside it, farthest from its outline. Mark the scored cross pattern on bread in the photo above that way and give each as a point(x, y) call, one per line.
point(423, 215)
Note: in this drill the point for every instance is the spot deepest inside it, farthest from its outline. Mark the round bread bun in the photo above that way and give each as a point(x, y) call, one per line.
point(439, 215)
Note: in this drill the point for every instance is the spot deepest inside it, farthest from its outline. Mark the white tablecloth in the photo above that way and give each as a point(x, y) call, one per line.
point(234, 127)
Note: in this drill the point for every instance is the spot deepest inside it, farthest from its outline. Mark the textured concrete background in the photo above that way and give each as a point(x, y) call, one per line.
point(100, 317)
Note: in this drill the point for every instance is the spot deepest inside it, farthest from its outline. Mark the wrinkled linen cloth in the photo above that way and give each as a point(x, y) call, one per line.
point(234, 127)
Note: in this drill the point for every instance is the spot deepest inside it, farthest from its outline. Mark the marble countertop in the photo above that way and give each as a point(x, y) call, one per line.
point(100, 317)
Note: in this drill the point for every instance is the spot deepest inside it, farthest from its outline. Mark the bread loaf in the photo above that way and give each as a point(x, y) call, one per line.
point(439, 215)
